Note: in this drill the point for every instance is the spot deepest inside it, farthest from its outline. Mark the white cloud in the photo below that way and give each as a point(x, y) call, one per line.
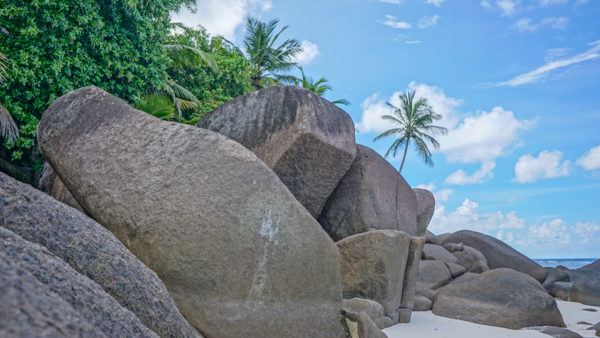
point(528, 25)
point(536, 74)
point(474, 139)
point(436, 3)
point(467, 216)
point(548, 164)
point(413, 42)
point(460, 177)
point(506, 7)
point(591, 159)
point(555, 236)
point(309, 52)
point(392, 21)
point(428, 21)
point(394, 2)
point(222, 17)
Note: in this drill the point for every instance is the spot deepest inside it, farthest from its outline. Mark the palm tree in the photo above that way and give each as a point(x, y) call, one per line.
point(8, 127)
point(319, 87)
point(267, 59)
point(413, 120)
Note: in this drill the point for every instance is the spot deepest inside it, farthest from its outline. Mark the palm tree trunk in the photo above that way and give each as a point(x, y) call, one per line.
point(398, 181)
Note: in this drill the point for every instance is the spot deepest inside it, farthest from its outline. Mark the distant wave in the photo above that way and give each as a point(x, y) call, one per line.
point(571, 263)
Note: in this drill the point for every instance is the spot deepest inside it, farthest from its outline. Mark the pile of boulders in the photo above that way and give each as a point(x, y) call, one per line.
point(266, 221)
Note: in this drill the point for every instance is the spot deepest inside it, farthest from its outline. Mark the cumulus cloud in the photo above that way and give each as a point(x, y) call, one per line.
point(533, 76)
point(591, 159)
point(475, 138)
point(392, 21)
point(442, 195)
point(547, 238)
point(309, 52)
point(436, 3)
point(222, 17)
point(506, 7)
point(428, 21)
point(468, 216)
point(548, 164)
point(528, 25)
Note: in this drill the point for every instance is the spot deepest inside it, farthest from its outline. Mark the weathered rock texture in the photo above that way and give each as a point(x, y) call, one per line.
point(409, 285)
point(306, 140)
point(439, 253)
point(94, 252)
point(361, 325)
point(370, 307)
point(433, 274)
point(239, 254)
point(425, 209)
point(85, 296)
point(366, 199)
point(501, 297)
point(472, 259)
point(29, 308)
point(585, 283)
point(373, 267)
point(51, 184)
point(498, 254)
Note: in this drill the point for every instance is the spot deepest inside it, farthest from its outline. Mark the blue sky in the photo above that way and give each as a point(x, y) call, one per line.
point(517, 83)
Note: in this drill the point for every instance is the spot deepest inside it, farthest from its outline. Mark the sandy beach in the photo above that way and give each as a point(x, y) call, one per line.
point(426, 324)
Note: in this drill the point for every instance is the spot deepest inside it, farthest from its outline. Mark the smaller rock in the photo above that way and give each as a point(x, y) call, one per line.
point(471, 258)
point(361, 325)
point(373, 309)
point(431, 238)
point(584, 323)
point(555, 275)
point(442, 237)
point(590, 310)
point(51, 184)
point(453, 247)
point(422, 303)
point(455, 269)
point(433, 274)
point(411, 273)
point(465, 277)
point(425, 209)
point(438, 253)
point(560, 290)
point(556, 332)
point(425, 292)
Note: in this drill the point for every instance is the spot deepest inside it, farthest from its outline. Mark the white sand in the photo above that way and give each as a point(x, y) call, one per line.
point(426, 325)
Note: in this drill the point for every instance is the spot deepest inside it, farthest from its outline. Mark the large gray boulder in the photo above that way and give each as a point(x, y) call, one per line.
point(425, 209)
point(433, 275)
point(85, 296)
point(51, 184)
point(373, 267)
point(29, 308)
point(238, 253)
point(438, 253)
point(498, 253)
point(306, 140)
point(93, 251)
point(472, 259)
point(501, 297)
point(585, 283)
point(372, 195)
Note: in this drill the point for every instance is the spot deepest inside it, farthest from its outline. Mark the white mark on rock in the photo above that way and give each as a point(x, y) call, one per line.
point(267, 232)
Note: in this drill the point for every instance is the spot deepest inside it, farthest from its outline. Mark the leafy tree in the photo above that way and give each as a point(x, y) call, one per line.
point(56, 46)
point(319, 87)
point(413, 122)
point(211, 88)
point(268, 61)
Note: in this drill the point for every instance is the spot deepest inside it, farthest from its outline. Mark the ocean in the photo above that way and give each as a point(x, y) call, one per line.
point(571, 263)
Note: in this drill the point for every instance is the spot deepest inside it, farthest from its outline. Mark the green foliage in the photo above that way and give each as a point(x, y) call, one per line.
point(55, 46)
point(320, 87)
point(413, 121)
point(268, 61)
point(211, 88)
point(159, 106)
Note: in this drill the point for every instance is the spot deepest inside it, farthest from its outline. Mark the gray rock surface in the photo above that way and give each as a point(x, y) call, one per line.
point(94, 252)
point(555, 275)
point(306, 140)
point(29, 308)
point(433, 274)
point(425, 209)
point(366, 198)
point(497, 253)
point(51, 184)
point(372, 308)
point(472, 259)
point(425, 292)
point(410, 278)
point(556, 332)
point(373, 267)
point(238, 253)
point(431, 238)
point(585, 284)
point(455, 269)
point(361, 325)
point(501, 297)
point(560, 290)
point(465, 277)
point(439, 253)
point(85, 296)
point(423, 303)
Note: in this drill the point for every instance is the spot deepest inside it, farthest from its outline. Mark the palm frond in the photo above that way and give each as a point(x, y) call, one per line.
point(341, 102)
point(188, 56)
point(8, 127)
point(157, 105)
point(14, 170)
point(388, 133)
point(422, 150)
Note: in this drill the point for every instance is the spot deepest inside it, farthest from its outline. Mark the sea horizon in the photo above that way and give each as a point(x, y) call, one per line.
point(571, 263)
